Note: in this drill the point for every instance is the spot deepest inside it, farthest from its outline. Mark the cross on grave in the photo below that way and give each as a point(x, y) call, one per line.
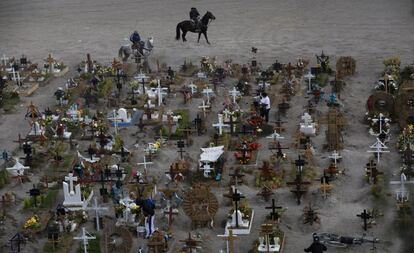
point(187, 131)
point(170, 214)
point(381, 120)
point(96, 208)
point(71, 179)
point(244, 131)
point(198, 122)
point(298, 182)
point(365, 217)
point(372, 172)
point(230, 238)
point(236, 176)
point(234, 93)
point(274, 214)
point(289, 69)
point(123, 153)
point(119, 173)
point(299, 163)
point(378, 147)
point(190, 243)
point(145, 163)
point(309, 76)
point(103, 191)
point(133, 92)
point(325, 186)
point(220, 125)
point(85, 237)
point(180, 145)
point(207, 92)
point(232, 124)
point(51, 63)
point(160, 93)
point(279, 148)
point(192, 87)
point(149, 109)
point(4, 59)
point(16, 241)
point(335, 156)
point(34, 193)
point(204, 108)
point(244, 149)
point(16, 76)
point(236, 198)
point(278, 123)
point(283, 107)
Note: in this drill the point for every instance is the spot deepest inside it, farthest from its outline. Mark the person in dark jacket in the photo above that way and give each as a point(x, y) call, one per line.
point(316, 246)
point(148, 208)
point(195, 16)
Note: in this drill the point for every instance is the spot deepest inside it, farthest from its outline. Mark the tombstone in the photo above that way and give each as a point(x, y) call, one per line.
point(72, 194)
point(308, 127)
point(239, 222)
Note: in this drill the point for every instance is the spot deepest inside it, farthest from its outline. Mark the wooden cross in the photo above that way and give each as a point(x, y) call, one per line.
point(103, 191)
point(298, 183)
point(230, 238)
point(244, 131)
point(204, 107)
point(170, 214)
point(198, 122)
point(232, 124)
point(266, 170)
point(277, 146)
point(34, 193)
point(190, 243)
point(180, 145)
point(97, 208)
point(236, 176)
point(50, 61)
point(372, 171)
point(274, 214)
point(365, 217)
point(265, 192)
point(278, 123)
point(187, 131)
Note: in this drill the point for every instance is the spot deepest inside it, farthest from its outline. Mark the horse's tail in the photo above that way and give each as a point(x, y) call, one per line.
point(121, 52)
point(177, 36)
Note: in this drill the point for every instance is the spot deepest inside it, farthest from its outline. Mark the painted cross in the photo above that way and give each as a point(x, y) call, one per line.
point(365, 216)
point(198, 122)
point(335, 156)
point(71, 179)
point(381, 120)
point(372, 172)
point(204, 107)
point(309, 76)
point(145, 163)
point(274, 214)
point(378, 147)
point(234, 93)
point(180, 145)
point(4, 59)
point(220, 125)
point(232, 124)
point(193, 88)
point(85, 237)
point(97, 208)
point(160, 93)
point(34, 193)
point(208, 92)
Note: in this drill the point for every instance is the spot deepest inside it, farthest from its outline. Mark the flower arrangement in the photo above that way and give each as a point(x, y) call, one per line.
point(32, 222)
point(406, 138)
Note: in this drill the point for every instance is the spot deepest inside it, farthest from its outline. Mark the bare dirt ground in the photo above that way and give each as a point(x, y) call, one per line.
point(285, 30)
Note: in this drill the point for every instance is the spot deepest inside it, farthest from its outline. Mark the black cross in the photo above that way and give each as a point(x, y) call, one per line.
point(17, 239)
point(103, 191)
point(274, 215)
point(236, 175)
point(181, 145)
point(278, 147)
point(198, 122)
point(133, 100)
point(365, 216)
point(236, 197)
point(119, 173)
point(244, 131)
point(33, 193)
point(278, 123)
point(27, 150)
point(123, 153)
point(299, 163)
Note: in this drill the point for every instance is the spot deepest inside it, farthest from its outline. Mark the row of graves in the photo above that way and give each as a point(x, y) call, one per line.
point(391, 102)
point(22, 77)
point(136, 164)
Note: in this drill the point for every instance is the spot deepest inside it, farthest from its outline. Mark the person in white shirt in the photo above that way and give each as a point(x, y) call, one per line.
point(265, 106)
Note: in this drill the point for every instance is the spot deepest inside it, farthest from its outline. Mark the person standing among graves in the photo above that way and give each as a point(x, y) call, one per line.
point(195, 16)
point(316, 246)
point(265, 106)
point(148, 208)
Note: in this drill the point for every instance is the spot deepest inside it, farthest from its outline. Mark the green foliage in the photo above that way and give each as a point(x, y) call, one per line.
point(49, 200)
point(407, 73)
point(4, 178)
point(118, 143)
point(322, 79)
point(105, 87)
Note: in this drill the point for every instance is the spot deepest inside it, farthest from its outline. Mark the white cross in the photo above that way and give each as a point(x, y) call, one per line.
point(275, 136)
point(160, 93)
point(145, 163)
point(208, 92)
point(85, 238)
point(220, 124)
point(335, 156)
point(307, 119)
point(234, 93)
point(378, 148)
point(193, 88)
point(204, 107)
point(71, 179)
point(309, 76)
point(96, 208)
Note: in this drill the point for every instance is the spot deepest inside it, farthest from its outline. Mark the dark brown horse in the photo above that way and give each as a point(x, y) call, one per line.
point(189, 26)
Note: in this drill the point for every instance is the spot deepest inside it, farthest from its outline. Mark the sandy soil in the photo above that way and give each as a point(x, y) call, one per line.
point(284, 30)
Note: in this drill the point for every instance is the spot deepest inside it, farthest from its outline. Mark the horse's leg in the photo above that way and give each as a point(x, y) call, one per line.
point(184, 34)
point(205, 36)
point(199, 36)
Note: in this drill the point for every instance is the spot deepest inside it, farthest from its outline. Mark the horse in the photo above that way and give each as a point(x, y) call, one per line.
point(144, 51)
point(189, 26)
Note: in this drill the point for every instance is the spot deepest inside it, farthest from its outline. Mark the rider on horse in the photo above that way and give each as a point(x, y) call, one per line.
point(136, 41)
point(195, 16)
